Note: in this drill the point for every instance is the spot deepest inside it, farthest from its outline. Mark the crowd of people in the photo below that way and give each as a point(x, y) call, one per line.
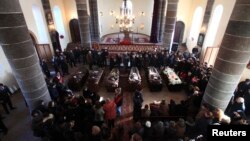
point(76, 117)
point(102, 58)
point(192, 116)
point(72, 117)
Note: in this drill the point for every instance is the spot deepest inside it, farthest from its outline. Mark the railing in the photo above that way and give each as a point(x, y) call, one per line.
point(128, 48)
point(119, 47)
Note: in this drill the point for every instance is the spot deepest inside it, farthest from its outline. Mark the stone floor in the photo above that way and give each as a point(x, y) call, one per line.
point(19, 120)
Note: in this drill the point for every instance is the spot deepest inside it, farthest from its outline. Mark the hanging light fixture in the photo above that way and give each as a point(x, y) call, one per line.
point(126, 19)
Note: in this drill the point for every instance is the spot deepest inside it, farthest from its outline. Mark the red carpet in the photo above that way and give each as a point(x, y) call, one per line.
point(127, 105)
point(126, 119)
point(126, 115)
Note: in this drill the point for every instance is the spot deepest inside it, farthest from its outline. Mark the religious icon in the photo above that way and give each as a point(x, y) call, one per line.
point(49, 18)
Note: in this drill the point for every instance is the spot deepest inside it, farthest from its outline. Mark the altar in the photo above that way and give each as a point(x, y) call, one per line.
point(125, 44)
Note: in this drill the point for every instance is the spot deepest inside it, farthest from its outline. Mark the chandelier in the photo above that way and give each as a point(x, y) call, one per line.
point(126, 19)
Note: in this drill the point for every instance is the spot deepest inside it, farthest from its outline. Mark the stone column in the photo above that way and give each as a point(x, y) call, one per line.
point(21, 54)
point(50, 25)
point(170, 23)
point(94, 30)
point(156, 22)
point(83, 19)
point(162, 21)
point(206, 19)
point(233, 56)
point(47, 12)
point(207, 16)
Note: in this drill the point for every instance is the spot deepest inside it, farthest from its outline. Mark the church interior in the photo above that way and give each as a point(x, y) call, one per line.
point(122, 70)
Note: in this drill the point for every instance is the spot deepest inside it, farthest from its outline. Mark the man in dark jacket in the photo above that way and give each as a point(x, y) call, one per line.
point(5, 98)
point(138, 100)
point(45, 68)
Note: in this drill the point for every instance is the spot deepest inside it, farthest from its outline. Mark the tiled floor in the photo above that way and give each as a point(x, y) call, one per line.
point(18, 121)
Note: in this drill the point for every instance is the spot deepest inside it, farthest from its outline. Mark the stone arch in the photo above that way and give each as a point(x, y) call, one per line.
point(33, 38)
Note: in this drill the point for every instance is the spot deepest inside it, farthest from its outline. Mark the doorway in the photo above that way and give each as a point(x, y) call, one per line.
point(55, 41)
point(179, 31)
point(74, 31)
point(43, 50)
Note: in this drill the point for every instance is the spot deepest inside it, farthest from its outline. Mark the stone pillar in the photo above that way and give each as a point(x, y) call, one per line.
point(233, 56)
point(51, 25)
point(83, 19)
point(206, 19)
point(170, 23)
point(21, 54)
point(47, 12)
point(162, 21)
point(207, 15)
point(156, 22)
point(94, 30)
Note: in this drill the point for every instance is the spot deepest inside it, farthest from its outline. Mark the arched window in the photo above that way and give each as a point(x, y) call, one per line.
point(58, 20)
point(40, 24)
point(195, 27)
point(213, 26)
point(179, 31)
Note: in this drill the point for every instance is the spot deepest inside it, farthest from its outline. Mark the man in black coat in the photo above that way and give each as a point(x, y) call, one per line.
point(45, 68)
point(138, 100)
point(5, 98)
point(90, 95)
point(242, 88)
